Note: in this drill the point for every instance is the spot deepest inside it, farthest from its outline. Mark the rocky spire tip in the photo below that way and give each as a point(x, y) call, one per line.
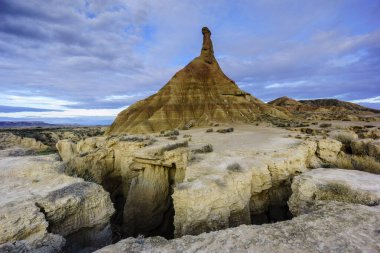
point(207, 53)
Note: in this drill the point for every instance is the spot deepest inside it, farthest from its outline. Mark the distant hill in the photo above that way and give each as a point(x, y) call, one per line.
point(285, 101)
point(319, 104)
point(337, 103)
point(17, 124)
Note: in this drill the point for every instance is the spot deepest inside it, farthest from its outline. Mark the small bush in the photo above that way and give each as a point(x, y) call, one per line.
point(362, 163)
point(210, 130)
point(132, 139)
point(234, 167)
point(366, 163)
point(325, 125)
point(225, 130)
point(173, 146)
point(172, 138)
point(346, 139)
point(205, 149)
point(169, 133)
point(187, 136)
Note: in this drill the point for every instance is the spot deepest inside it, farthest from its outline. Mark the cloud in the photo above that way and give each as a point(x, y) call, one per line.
point(286, 85)
point(109, 54)
point(36, 102)
point(68, 113)
point(372, 100)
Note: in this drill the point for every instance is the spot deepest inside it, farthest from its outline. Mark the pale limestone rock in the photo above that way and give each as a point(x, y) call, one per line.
point(206, 195)
point(9, 140)
point(36, 197)
point(328, 149)
point(330, 227)
point(218, 198)
point(212, 203)
point(144, 174)
point(333, 184)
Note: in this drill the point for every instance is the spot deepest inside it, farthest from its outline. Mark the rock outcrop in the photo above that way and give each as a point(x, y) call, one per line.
point(329, 227)
point(42, 209)
point(197, 95)
point(156, 182)
point(140, 174)
point(9, 140)
point(350, 186)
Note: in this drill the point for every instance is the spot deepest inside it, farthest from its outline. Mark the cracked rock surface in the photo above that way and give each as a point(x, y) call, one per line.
point(41, 208)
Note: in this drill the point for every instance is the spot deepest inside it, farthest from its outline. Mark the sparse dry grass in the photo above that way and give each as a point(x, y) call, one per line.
point(173, 146)
point(205, 149)
point(225, 130)
point(325, 125)
point(362, 163)
point(344, 138)
point(234, 167)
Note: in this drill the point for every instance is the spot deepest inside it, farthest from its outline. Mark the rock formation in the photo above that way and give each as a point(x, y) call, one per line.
point(9, 140)
point(198, 94)
point(349, 186)
point(43, 210)
point(150, 179)
point(337, 211)
point(330, 227)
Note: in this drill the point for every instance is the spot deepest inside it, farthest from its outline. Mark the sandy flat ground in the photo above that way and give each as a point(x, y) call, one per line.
point(244, 138)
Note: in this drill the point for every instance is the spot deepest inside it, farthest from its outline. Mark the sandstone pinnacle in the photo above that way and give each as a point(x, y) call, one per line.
point(207, 52)
point(197, 95)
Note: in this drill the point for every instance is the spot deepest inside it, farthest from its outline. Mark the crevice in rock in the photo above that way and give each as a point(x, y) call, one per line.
point(114, 185)
point(277, 209)
point(42, 210)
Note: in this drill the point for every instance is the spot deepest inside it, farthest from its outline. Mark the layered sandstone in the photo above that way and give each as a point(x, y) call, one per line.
point(41, 208)
point(197, 95)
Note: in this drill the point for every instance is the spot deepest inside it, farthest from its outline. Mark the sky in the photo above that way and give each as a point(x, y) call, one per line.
point(77, 61)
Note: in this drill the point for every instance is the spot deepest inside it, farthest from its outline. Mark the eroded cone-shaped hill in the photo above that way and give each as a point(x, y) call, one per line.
point(199, 94)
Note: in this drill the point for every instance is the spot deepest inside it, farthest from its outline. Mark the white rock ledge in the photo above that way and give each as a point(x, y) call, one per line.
point(330, 227)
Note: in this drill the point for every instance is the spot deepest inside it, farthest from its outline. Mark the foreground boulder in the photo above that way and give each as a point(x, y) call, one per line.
point(41, 208)
point(329, 227)
point(350, 186)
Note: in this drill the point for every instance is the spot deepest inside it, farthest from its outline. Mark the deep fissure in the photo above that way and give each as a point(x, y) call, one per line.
point(164, 228)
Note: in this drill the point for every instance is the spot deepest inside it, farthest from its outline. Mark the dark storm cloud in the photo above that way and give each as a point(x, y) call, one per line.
point(105, 54)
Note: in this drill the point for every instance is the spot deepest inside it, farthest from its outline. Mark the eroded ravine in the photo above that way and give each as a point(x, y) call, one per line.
point(161, 188)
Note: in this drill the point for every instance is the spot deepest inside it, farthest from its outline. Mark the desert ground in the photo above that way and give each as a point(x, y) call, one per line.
point(94, 191)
